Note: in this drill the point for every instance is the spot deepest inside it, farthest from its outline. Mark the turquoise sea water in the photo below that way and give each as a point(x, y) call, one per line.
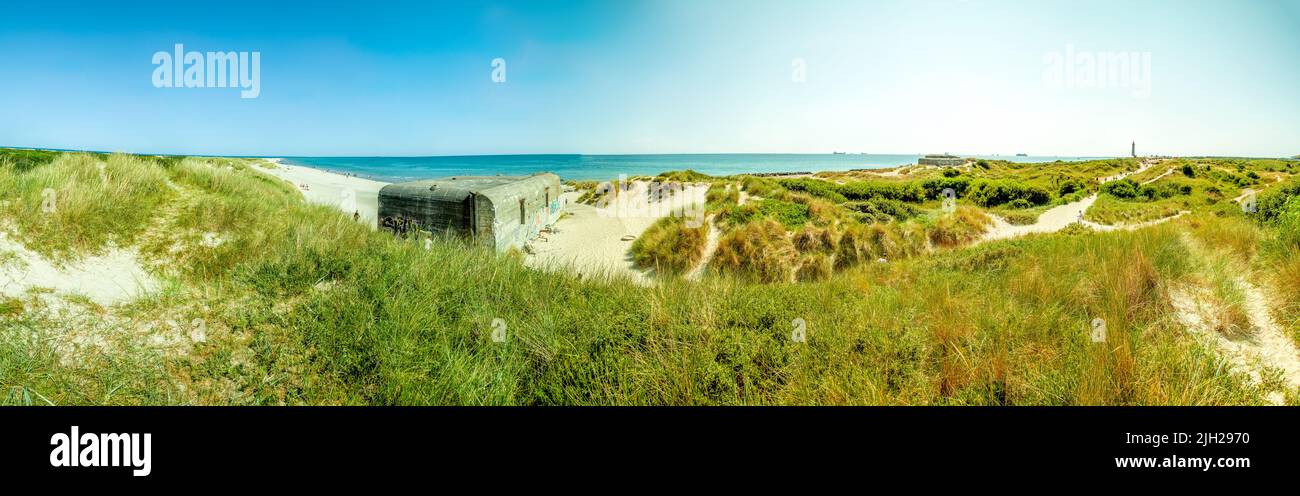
point(606, 167)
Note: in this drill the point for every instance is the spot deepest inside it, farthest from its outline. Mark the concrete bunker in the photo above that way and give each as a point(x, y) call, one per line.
point(500, 212)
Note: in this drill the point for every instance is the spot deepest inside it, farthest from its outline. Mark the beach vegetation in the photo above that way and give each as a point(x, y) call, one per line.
point(760, 251)
point(670, 245)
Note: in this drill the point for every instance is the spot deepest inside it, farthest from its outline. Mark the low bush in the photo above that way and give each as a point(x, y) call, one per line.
point(815, 187)
point(865, 190)
point(882, 210)
point(986, 193)
point(790, 214)
point(1272, 203)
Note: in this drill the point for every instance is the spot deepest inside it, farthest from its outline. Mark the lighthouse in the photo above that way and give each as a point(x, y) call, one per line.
point(1134, 151)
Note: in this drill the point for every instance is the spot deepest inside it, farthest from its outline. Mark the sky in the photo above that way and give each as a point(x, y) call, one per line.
point(627, 77)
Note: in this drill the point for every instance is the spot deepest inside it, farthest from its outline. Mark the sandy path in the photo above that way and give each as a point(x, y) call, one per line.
point(593, 241)
point(1267, 347)
point(586, 243)
point(1059, 217)
point(1157, 178)
point(710, 247)
point(329, 188)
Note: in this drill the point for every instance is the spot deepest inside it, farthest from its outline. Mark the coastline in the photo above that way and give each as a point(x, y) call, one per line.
point(345, 192)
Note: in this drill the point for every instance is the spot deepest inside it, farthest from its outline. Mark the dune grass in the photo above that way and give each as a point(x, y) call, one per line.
point(963, 226)
point(760, 250)
point(670, 245)
point(78, 203)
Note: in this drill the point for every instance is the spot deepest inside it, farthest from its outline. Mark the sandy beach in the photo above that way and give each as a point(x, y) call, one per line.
point(349, 193)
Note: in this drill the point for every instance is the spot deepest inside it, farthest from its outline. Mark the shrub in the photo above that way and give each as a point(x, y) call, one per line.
point(987, 193)
point(1271, 204)
point(787, 213)
point(865, 190)
point(1124, 189)
point(759, 250)
point(882, 210)
point(670, 246)
point(815, 187)
point(951, 172)
point(934, 187)
point(1071, 186)
point(1188, 170)
point(1288, 222)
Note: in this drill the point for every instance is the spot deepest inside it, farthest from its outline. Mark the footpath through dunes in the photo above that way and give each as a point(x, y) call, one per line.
point(1062, 216)
point(595, 240)
point(1262, 349)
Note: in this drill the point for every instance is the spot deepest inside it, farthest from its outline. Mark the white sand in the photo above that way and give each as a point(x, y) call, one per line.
point(333, 189)
point(594, 242)
point(113, 277)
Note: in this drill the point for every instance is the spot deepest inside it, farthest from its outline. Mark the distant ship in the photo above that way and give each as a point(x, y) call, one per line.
point(837, 153)
point(1021, 155)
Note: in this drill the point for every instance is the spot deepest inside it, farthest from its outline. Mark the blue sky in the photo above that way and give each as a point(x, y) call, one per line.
point(622, 76)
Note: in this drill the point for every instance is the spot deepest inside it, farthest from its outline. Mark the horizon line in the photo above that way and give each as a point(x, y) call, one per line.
point(472, 155)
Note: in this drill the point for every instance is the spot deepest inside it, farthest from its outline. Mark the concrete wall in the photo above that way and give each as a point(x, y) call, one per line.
point(498, 211)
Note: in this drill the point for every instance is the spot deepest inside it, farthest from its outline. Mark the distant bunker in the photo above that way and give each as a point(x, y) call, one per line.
point(941, 160)
point(500, 212)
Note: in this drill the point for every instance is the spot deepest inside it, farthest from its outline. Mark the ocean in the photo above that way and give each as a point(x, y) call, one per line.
point(607, 167)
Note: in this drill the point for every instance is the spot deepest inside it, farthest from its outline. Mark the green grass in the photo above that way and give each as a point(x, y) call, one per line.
point(789, 214)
